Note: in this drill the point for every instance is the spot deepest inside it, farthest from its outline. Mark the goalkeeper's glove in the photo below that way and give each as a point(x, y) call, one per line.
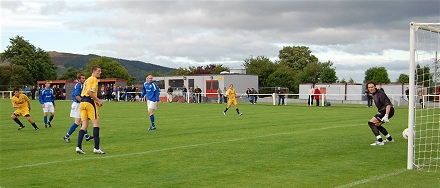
point(385, 118)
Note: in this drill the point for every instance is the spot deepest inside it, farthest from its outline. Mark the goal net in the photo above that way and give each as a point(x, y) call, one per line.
point(424, 106)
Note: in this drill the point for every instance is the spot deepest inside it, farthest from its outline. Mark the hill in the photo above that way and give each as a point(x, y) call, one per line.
point(136, 69)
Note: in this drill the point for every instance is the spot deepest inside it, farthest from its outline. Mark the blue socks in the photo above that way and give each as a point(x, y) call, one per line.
point(72, 129)
point(152, 120)
point(45, 119)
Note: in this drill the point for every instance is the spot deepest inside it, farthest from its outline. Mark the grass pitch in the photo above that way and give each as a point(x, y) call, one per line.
point(195, 145)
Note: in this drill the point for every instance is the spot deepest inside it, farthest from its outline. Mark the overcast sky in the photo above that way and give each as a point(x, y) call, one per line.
point(355, 35)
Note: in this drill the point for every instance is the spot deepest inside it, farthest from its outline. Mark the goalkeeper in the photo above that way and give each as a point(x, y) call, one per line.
point(385, 112)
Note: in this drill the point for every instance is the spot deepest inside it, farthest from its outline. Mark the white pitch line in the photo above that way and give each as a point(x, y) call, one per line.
point(172, 148)
point(372, 179)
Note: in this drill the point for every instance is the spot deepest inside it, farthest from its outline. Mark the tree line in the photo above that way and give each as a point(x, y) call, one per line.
point(27, 64)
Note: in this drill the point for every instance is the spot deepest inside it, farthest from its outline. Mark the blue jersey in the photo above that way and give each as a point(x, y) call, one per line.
point(77, 91)
point(151, 90)
point(47, 95)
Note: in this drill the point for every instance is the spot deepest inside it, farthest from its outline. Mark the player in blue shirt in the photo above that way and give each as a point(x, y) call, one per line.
point(150, 91)
point(47, 101)
point(74, 110)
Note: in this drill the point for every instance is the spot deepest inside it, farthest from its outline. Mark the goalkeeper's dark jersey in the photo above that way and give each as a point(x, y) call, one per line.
point(381, 100)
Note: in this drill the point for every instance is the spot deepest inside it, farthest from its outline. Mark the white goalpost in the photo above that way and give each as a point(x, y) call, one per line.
point(424, 105)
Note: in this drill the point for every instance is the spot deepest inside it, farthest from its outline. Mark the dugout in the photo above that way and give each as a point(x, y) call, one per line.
point(67, 86)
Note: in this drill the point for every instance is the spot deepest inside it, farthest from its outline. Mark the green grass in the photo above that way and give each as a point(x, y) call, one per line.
point(196, 146)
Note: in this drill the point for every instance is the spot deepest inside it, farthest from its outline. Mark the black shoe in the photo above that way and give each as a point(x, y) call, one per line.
point(36, 128)
point(48, 123)
point(21, 127)
point(45, 126)
point(88, 138)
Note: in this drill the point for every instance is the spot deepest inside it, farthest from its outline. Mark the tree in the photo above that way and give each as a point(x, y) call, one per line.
point(70, 74)
point(260, 66)
point(343, 81)
point(109, 69)
point(208, 69)
point(35, 60)
point(328, 75)
point(283, 76)
point(351, 81)
point(377, 75)
point(19, 76)
point(423, 75)
point(296, 57)
point(180, 72)
point(403, 78)
point(5, 77)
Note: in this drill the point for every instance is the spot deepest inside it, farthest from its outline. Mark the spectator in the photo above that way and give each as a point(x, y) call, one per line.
point(108, 92)
point(193, 96)
point(369, 98)
point(248, 91)
point(114, 92)
point(57, 90)
point(198, 92)
point(170, 94)
point(219, 95)
point(26, 91)
point(380, 87)
point(103, 97)
point(317, 95)
point(255, 92)
point(407, 93)
point(280, 94)
point(132, 93)
point(64, 92)
point(125, 96)
point(250, 95)
point(310, 99)
point(33, 92)
point(184, 93)
point(225, 98)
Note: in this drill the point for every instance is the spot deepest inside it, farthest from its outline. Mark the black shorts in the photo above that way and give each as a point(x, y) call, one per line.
point(380, 114)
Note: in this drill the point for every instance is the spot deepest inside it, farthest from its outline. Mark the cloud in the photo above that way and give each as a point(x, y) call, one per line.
point(356, 34)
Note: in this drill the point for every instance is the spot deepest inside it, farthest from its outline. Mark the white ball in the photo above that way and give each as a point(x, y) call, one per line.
point(405, 133)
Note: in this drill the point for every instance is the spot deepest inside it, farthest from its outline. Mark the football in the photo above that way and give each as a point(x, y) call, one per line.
point(405, 133)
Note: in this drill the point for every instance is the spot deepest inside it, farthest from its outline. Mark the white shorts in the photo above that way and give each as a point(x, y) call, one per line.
point(48, 107)
point(74, 110)
point(151, 105)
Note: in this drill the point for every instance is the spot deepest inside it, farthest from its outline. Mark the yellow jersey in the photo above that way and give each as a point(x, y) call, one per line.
point(22, 99)
point(231, 93)
point(91, 84)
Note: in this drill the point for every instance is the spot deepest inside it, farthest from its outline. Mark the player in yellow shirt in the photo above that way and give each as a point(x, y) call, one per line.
point(231, 100)
point(21, 102)
point(89, 110)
